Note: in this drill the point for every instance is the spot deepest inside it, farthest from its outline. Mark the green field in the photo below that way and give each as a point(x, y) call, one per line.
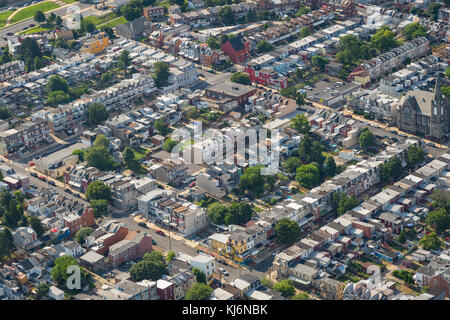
point(4, 16)
point(110, 20)
point(29, 12)
point(114, 22)
point(36, 30)
point(69, 1)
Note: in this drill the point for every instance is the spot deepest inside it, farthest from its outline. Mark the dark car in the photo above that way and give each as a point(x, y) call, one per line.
point(76, 195)
point(52, 183)
point(153, 242)
point(142, 224)
point(222, 262)
point(9, 34)
point(68, 191)
point(34, 186)
point(33, 174)
point(161, 233)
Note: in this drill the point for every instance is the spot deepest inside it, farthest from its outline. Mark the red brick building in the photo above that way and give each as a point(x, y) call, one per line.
point(110, 239)
point(237, 49)
point(267, 76)
point(165, 289)
point(135, 245)
point(151, 13)
point(207, 59)
point(75, 222)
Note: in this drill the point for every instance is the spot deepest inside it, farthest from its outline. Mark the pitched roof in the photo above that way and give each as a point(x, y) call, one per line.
point(236, 43)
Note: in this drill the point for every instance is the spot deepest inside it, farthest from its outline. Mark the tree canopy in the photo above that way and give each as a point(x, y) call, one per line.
point(60, 275)
point(201, 277)
point(7, 245)
point(414, 30)
point(263, 46)
point(152, 267)
point(415, 156)
point(162, 127)
point(308, 176)
point(97, 113)
point(391, 170)
point(81, 234)
point(301, 124)
point(226, 16)
point(39, 16)
point(439, 220)
point(384, 39)
point(236, 213)
point(431, 241)
point(161, 73)
point(98, 190)
point(366, 139)
point(240, 77)
point(198, 291)
point(56, 83)
point(37, 226)
point(287, 230)
point(285, 287)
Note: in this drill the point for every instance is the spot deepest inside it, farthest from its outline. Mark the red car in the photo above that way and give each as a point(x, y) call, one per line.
point(43, 178)
point(192, 184)
point(161, 233)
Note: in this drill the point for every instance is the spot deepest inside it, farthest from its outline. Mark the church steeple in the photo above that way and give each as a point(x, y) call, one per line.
point(437, 88)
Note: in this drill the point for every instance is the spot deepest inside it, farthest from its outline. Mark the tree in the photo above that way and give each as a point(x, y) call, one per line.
point(201, 277)
point(447, 72)
point(304, 32)
point(441, 199)
point(161, 73)
point(414, 30)
point(57, 97)
point(391, 170)
point(170, 256)
point(308, 176)
point(98, 190)
point(99, 158)
point(162, 127)
point(29, 49)
point(124, 61)
point(303, 10)
point(56, 83)
point(99, 206)
point(287, 230)
point(330, 166)
point(109, 31)
point(291, 164)
point(415, 156)
point(252, 181)
point(310, 151)
point(301, 124)
point(169, 144)
point(37, 226)
point(346, 203)
point(97, 113)
point(366, 139)
point(129, 158)
point(384, 39)
point(213, 43)
point(87, 26)
point(60, 275)
point(39, 16)
point(38, 63)
point(264, 46)
point(285, 287)
point(198, 291)
point(431, 241)
point(319, 61)
point(301, 296)
point(439, 220)
point(101, 141)
point(402, 237)
point(6, 243)
point(226, 16)
point(105, 78)
point(433, 10)
point(4, 113)
point(42, 291)
point(81, 234)
point(154, 256)
point(51, 18)
point(148, 269)
point(79, 153)
point(29, 66)
point(240, 77)
point(58, 21)
point(216, 212)
point(238, 213)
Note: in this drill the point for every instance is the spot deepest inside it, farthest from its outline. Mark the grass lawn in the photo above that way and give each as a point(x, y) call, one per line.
point(4, 16)
point(106, 19)
point(114, 22)
point(29, 12)
point(69, 1)
point(36, 30)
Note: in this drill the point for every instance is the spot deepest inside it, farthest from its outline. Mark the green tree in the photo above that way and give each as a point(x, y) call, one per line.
point(99, 158)
point(161, 73)
point(447, 72)
point(415, 156)
point(402, 237)
point(105, 78)
point(213, 43)
point(99, 206)
point(287, 230)
point(56, 83)
point(310, 151)
point(291, 164)
point(58, 21)
point(433, 10)
point(29, 49)
point(300, 123)
point(56, 98)
point(391, 170)
point(201, 277)
point(263, 46)
point(79, 153)
point(330, 166)
point(308, 176)
point(87, 26)
point(226, 16)
point(4, 113)
point(366, 139)
point(238, 213)
point(51, 18)
point(97, 113)
point(6, 243)
point(198, 291)
point(169, 144)
point(129, 158)
point(81, 234)
point(148, 269)
point(154, 256)
point(414, 30)
point(439, 220)
point(285, 287)
point(37, 226)
point(384, 39)
point(98, 190)
point(124, 61)
point(162, 127)
point(240, 77)
point(441, 199)
point(102, 141)
point(252, 181)
point(303, 10)
point(319, 61)
point(346, 203)
point(42, 291)
point(301, 296)
point(217, 212)
point(60, 275)
point(431, 241)
point(304, 32)
point(38, 63)
point(39, 16)
point(170, 256)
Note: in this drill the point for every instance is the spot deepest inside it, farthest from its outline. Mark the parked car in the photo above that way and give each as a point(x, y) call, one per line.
point(192, 184)
point(142, 224)
point(68, 191)
point(33, 174)
point(34, 186)
point(222, 262)
point(43, 178)
point(161, 233)
point(51, 182)
point(154, 242)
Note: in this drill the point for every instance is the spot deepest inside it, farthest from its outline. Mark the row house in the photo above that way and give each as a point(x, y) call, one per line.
point(107, 235)
point(182, 282)
point(387, 61)
point(75, 221)
point(11, 70)
point(134, 246)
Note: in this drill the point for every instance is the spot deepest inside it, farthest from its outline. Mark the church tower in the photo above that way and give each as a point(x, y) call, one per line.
point(439, 122)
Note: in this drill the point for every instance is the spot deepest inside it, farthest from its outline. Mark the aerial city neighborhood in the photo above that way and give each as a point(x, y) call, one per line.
point(112, 183)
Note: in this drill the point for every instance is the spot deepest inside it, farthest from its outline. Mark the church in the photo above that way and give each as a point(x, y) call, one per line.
point(425, 114)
